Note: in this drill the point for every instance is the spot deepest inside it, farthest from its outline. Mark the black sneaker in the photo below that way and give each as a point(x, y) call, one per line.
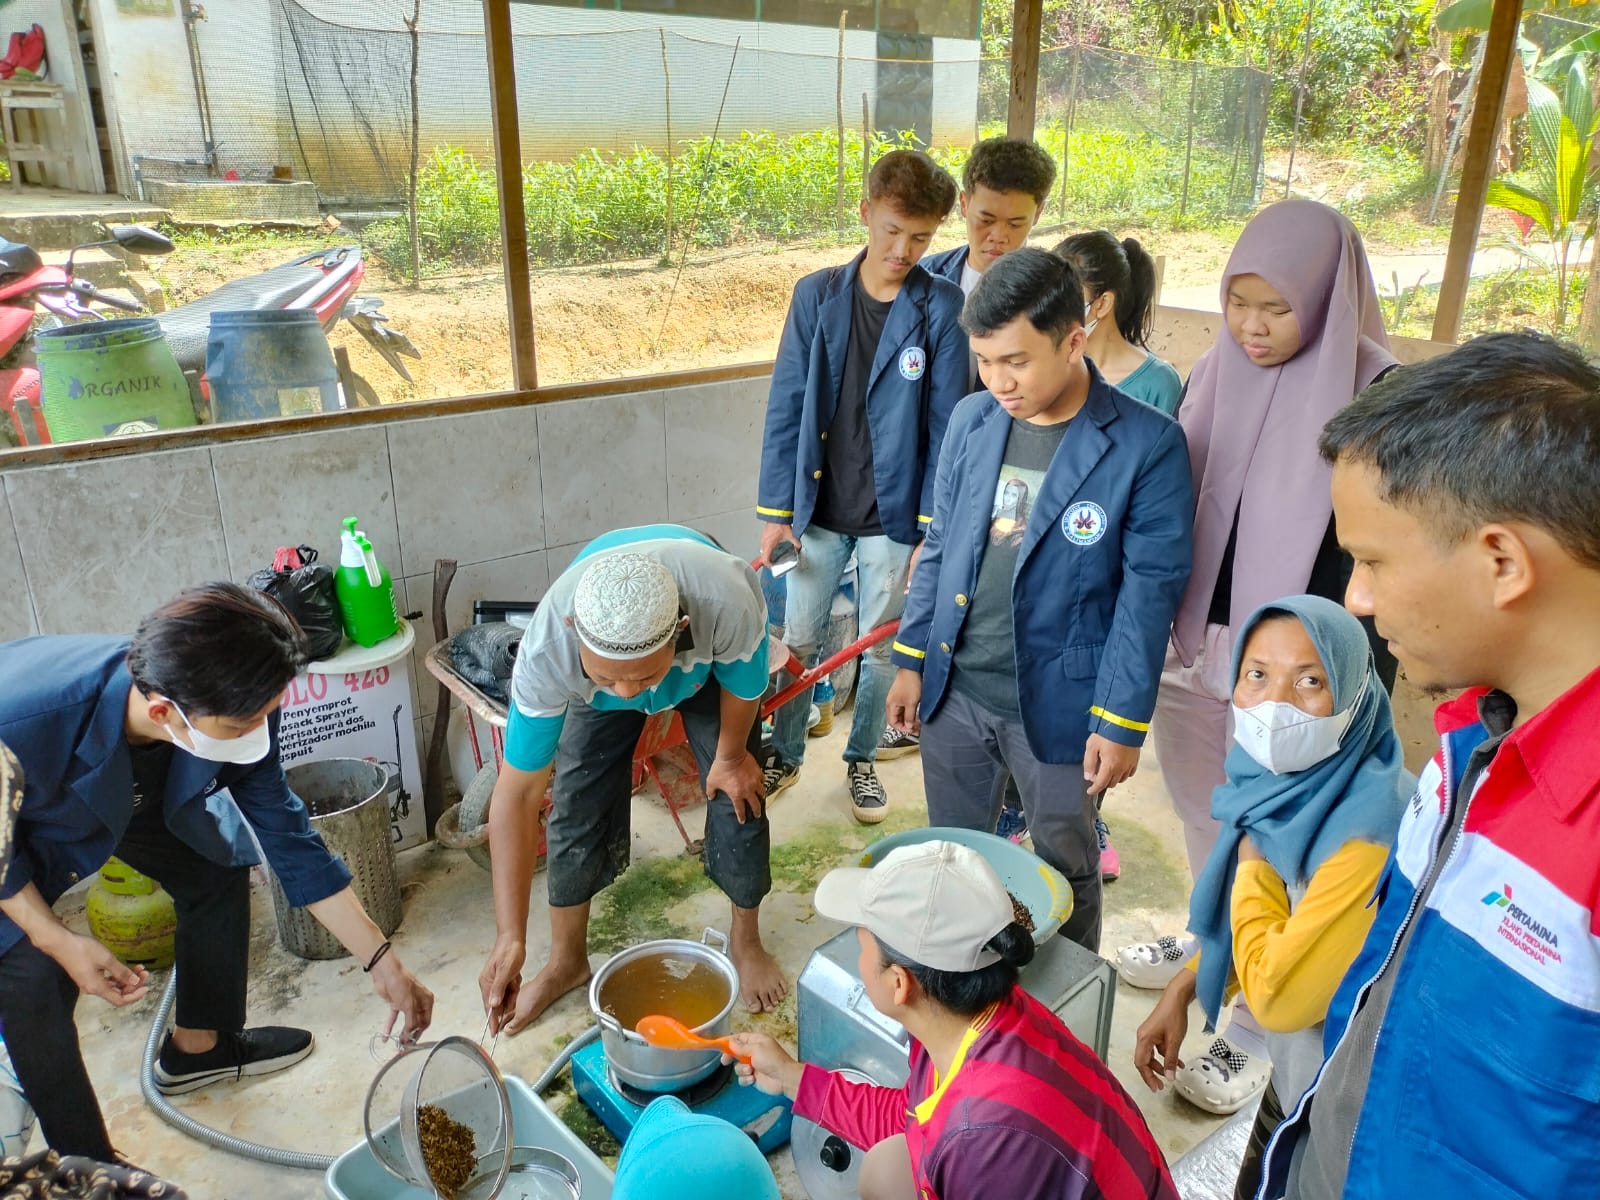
point(867, 797)
point(776, 774)
point(894, 744)
point(259, 1051)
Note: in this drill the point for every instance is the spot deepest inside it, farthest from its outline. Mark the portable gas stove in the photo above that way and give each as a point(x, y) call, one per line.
point(618, 1105)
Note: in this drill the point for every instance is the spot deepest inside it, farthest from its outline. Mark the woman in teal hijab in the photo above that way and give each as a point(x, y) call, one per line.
point(1313, 798)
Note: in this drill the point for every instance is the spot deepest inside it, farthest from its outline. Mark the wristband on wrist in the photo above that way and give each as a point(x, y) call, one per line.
point(376, 956)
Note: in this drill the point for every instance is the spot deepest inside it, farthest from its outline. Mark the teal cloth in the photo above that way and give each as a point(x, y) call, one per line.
point(1156, 382)
point(676, 1154)
point(1299, 820)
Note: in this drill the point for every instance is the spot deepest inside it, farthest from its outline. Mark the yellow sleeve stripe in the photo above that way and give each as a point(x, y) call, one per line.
point(905, 649)
point(925, 520)
point(775, 512)
point(1136, 726)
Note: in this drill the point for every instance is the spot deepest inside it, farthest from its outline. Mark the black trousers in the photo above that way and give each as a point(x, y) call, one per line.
point(1268, 1117)
point(587, 840)
point(37, 997)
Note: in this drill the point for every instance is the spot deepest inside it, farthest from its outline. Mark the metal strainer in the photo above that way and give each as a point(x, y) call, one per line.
point(423, 1106)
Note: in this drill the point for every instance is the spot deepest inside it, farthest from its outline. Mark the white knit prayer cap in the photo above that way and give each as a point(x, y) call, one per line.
point(625, 606)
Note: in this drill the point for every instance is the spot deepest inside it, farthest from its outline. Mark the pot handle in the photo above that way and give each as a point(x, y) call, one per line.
point(721, 943)
point(610, 1024)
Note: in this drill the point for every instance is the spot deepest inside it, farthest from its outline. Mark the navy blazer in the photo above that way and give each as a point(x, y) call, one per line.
point(63, 708)
point(918, 377)
point(947, 264)
point(1103, 562)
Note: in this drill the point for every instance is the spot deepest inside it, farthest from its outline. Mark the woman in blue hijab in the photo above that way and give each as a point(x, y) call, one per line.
point(1313, 797)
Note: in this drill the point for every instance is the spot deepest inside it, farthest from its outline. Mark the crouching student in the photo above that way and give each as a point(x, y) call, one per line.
point(1002, 1099)
point(1313, 798)
point(1034, 632)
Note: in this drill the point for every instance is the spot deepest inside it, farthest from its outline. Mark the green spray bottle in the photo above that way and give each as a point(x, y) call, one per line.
point(364, 590)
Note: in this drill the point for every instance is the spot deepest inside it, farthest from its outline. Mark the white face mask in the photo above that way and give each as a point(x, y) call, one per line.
point(251, 747)
point(1089, 325)
point(1285, 739)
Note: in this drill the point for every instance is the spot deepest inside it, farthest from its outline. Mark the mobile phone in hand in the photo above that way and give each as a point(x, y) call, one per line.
point(784, 558)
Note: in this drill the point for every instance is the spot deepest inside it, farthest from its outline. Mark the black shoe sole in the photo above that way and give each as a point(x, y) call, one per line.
point(193, 1081)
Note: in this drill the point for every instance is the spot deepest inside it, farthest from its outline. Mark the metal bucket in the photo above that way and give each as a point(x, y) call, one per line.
point(635, 1061)
point(270, 363)
point(347, 801)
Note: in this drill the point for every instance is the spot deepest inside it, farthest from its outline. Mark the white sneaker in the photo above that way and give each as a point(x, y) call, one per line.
point(1155, 964)
point(1223, 1079)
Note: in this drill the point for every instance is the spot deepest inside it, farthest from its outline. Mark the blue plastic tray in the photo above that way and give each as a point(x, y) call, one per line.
point(1028, 877)
point(357, 1175)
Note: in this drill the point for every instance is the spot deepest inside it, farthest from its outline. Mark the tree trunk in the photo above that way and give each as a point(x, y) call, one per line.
point(1438, 135)
point(1589, 314)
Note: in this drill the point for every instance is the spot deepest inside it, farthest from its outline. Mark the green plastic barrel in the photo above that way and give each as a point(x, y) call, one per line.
point(270, 363)
point(110, 378)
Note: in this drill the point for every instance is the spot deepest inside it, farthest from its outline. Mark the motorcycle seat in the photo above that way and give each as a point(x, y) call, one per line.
point(188, 326)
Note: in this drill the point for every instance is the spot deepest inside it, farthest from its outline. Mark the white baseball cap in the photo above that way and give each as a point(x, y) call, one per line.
point(937, 903)
point(625, 606)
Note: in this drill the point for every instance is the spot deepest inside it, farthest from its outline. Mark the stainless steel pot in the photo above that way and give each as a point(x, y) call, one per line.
point(635, 1061)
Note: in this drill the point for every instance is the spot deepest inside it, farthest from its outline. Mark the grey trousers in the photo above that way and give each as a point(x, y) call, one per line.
point(967, 751)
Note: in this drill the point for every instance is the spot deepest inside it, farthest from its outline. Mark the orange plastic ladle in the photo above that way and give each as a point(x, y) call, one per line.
point(669, 1033)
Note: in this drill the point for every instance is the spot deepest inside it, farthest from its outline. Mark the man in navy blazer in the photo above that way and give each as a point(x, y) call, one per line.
point(162, 750)
point(1038, 617)
point(1003, 189)
point(871, 364)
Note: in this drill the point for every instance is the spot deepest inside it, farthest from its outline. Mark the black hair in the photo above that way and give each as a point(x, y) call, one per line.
point(217, 650)
point(1009, 165)
point(967, 993)
point(1026, 282)
point(913, 183)
point(1504, 428)
point(1123, 268)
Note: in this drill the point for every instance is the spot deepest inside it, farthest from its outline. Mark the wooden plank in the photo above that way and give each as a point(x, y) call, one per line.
point(508, 176)
point(1487, 109)
point(1027, 24)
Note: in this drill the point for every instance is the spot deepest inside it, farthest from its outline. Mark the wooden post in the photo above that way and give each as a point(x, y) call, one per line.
point(838, 128)
point(414, 24)
point(666, 73)
point(866, 146)
point(508, 180)
point(1027, 26)
point(1499, 50)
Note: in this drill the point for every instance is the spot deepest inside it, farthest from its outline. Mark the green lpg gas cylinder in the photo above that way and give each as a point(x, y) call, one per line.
point(132, 917)
point(110, 378)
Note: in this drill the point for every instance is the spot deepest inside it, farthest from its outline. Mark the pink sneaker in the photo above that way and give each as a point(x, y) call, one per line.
point(1110, 860)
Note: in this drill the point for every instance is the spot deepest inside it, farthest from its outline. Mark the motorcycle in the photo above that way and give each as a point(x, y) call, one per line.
point(325, 281)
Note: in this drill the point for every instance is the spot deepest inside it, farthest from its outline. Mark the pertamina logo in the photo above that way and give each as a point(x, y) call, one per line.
point(1522, 929)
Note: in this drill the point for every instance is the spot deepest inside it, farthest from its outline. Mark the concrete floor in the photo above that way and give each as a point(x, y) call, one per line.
point(449, 927)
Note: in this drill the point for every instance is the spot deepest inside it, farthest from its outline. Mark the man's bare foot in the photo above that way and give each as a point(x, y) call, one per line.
point(761, 981)
point(554, 980)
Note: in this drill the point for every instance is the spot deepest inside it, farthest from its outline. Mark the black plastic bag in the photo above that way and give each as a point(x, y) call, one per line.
point(484, 654)
point(305, 587)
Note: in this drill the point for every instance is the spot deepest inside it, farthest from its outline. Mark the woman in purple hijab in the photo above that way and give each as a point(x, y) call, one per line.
point(1303, 335)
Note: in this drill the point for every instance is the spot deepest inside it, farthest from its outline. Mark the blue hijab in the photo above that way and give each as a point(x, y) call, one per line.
point(1299, 820)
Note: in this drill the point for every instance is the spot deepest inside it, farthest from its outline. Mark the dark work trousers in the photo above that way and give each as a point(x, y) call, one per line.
point(37, 997)
point(1268, 1117)
point(967, 751)
point(588, 837)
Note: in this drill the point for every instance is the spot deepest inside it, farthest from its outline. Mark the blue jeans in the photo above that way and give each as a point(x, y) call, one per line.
point(880, 596)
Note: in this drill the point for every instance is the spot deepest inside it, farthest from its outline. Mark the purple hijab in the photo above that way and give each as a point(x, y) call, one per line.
point(1253, 430)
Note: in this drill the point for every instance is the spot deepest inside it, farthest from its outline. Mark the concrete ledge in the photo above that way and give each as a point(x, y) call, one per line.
point(215, 200)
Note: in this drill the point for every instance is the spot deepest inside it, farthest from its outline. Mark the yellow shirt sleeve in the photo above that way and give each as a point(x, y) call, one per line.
point(1290, 964)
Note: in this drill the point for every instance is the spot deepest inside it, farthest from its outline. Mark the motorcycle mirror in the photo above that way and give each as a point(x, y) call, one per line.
point(141, 239)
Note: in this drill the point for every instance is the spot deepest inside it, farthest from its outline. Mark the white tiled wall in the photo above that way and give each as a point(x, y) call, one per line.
point(511, 494)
